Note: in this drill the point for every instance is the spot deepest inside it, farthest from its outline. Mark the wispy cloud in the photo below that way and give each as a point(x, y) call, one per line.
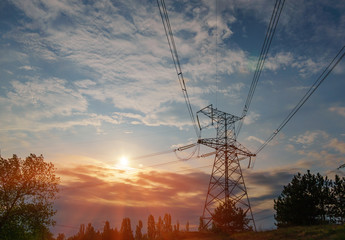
point(310, 137)
point(338, 110)
point(251, 118)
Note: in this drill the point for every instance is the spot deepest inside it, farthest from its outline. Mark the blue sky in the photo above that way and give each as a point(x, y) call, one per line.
point(86, 82)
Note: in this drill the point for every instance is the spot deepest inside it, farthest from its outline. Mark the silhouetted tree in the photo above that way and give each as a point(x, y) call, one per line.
point(187, 226)
point(138, 233)
point(229, 218)
point(305, 201)
point(167, 223)
point(81, 232)
point(159, 227)
point(107, 231)
point(201, 225)
point(28, 189)
point(126, 229)
point(90, 233)
point(61, 236)
point(338, 194)
point(151, 229)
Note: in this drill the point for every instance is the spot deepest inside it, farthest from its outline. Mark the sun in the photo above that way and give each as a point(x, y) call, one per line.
point(123, 162)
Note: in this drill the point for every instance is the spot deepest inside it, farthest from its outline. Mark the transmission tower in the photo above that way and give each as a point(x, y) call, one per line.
point(226, 182)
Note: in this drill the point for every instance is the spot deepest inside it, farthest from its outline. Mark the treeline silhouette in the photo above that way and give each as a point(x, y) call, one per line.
point(311, 199)
point(162, 229)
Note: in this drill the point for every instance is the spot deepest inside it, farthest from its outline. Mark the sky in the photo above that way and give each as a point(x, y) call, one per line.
point(88, 83)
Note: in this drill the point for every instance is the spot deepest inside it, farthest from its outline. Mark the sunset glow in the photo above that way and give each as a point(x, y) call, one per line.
point(124, 162)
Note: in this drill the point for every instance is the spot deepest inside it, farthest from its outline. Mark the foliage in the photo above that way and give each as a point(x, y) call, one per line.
point(338, 194)
point(310, 199)
point(187, 226)
point(160, 231)
point(27, 191)
point(151, 229)
point(229, 218)
point(138, 233)
point(167, 227)
point(126, 229)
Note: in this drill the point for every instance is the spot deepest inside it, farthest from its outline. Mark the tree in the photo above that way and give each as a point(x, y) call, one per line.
point(229, 218)
point(338, 193)
point(159, 227)
point(90, 233)
point(61, 236)
point(167, 227)
point(304, 201)
point(187, 226)
point(177, 227)
point(151, 229)
point(138, 233)
point(126, 229)
point(201, 225)
point(107, 231)
point(27, 191)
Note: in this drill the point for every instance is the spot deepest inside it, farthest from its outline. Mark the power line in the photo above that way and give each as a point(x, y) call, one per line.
point(311, 90)
point(170, 37)
point(278, 7)
point(216, 53)
point(341, 166)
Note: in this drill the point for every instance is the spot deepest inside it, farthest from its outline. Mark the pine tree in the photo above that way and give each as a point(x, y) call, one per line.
point(338, 193)
point(305, 201)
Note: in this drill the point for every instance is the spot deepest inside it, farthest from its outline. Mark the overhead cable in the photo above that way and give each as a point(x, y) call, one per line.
point(278, 7)
point(170, 37)
point(311, 90)
point(341, 166)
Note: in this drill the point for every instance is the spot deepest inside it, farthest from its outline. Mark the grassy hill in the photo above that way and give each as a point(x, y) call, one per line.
point(327, 232)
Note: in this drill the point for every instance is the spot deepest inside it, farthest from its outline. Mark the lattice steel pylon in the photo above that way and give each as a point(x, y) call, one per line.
point(226, 181)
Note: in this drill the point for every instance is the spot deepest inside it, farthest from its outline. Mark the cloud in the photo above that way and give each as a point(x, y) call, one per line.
point(338, 110)
point(268, 184)
point(28, 68)
point(251, 118)
point(280, 60)
point(308, 66)
point(117, 57)
point(112, 194)
point(51, 97)
point(336, 145)
point(309, 137)
point(250, 138)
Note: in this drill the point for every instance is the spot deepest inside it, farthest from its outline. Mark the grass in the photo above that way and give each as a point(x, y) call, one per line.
point(324, 232)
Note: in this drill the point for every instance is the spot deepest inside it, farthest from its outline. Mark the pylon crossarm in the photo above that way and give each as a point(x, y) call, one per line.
point(244, 150)
point(217, 116)
point(218, 145)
